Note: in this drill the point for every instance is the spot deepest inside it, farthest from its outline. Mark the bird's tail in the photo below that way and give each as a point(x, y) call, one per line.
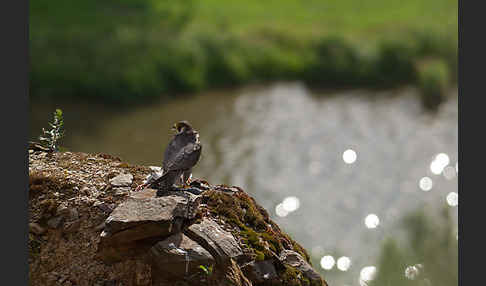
point(165, 181)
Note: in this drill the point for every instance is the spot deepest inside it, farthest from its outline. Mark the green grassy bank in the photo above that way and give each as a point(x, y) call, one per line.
point(132, 50)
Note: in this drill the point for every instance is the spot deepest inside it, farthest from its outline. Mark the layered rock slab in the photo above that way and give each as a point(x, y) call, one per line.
point(135, 225)
point(219, 242)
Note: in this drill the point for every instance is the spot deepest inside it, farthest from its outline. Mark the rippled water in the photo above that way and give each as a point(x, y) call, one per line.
point(350, 164)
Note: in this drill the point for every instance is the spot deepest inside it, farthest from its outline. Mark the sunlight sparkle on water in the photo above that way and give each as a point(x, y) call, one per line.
point(280, 211)
point(425, 184)
point(452, 199)
point(367, 274)
point(291, 204)
point(372, 221)
point(349, 156)
point(440, 161)
point(442, 158)
point(327, 262)
point(343, 263)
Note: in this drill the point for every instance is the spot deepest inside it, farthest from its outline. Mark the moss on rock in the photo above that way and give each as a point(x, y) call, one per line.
point(259, 233)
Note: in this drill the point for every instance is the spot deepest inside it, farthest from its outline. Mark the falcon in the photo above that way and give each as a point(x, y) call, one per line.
point(182, 153)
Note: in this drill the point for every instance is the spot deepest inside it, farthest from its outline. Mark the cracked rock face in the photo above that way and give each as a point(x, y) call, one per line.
point(135, 212)
point(137, 223)
point(178, 256)
point(219, 242)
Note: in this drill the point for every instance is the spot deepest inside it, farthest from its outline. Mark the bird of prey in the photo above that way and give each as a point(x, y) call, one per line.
point(180, 156)
point(182, 153)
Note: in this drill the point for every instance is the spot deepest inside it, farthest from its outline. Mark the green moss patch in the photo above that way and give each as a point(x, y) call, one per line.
point(294, 277)
point(262, 236)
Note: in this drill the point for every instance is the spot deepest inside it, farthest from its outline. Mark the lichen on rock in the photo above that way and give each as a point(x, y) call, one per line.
point(84, 231)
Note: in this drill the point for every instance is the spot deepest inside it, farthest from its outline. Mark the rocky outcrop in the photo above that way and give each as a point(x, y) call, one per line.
point(85, 231)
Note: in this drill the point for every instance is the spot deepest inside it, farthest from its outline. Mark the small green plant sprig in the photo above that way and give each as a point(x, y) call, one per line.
point(52, 137)
point(207, 270)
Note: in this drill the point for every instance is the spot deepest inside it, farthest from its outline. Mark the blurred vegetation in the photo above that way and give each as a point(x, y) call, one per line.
point(433, 80)
point(430, 250)
point(133, 50)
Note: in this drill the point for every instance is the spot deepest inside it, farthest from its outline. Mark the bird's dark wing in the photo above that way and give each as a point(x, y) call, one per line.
point(186, 158)
point(170, 153)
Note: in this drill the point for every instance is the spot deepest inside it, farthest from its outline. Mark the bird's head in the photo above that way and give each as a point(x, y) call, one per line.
point(182, 126)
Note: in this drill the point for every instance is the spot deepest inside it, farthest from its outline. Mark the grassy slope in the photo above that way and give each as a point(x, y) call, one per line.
point(121, 50)
point(354, 19)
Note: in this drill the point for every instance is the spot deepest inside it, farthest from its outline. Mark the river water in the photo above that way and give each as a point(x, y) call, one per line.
point(285, 145)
